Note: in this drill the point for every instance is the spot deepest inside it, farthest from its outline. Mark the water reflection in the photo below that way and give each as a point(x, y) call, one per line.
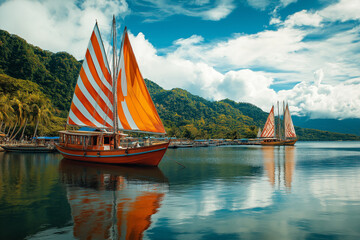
point(279, 164)
point(112, 201)
point(30, 196)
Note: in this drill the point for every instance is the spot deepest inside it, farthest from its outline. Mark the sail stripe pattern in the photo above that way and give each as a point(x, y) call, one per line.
point(89, 107)
point(289, 126)
point(136, 110)
point(92, 103)
point(269, 128)
point(83, 91)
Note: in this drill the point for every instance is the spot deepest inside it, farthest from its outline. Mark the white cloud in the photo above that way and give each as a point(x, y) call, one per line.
point(220, 11)
point(59, 25)
point(287, 2)
point(246, 86)
point(259, 4)
point(263, 4)
point(304, 18)
point(323, 100)
point(342, 11)
point(207, 10)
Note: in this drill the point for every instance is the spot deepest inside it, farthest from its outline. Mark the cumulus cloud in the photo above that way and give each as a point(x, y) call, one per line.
point(59, 25)
point(304, 18)
point(324, 100)
point(342, 11)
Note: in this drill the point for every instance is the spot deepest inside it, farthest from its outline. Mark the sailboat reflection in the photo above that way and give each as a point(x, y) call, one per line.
point(113, 202)
point(280, 166)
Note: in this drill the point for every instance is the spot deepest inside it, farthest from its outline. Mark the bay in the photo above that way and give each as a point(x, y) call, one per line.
point(309, 191)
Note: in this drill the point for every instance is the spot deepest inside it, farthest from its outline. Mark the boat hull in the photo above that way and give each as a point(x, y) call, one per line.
point(273, 143)
point(30, 149)
point(146, 156)
point(290, 142)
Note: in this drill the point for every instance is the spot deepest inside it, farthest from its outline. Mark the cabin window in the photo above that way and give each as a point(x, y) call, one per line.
point(94, 141)
point(106, 140)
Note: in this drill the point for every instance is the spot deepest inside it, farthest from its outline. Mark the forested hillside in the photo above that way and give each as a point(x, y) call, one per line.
point(55, 73)
point(37, 84)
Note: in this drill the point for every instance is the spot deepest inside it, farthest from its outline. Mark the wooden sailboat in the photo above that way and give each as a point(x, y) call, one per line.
point(109, 103)
point(289, 130)
point(268, 133)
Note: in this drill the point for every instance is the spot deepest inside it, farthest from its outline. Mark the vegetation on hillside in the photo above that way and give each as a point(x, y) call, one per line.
point(55, 73)
point(25, 110)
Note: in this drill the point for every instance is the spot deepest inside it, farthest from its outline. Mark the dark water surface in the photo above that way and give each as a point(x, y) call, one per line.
point(310, 191)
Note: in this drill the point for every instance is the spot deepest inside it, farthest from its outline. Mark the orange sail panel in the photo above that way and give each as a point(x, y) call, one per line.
point(289, 126)
point(92, 103)
point(269, 128)
point(135, 108)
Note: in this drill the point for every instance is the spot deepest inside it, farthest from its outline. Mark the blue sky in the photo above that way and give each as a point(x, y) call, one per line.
point(306, 52)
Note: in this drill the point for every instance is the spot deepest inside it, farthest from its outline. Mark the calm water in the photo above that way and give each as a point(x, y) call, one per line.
point(310, 191)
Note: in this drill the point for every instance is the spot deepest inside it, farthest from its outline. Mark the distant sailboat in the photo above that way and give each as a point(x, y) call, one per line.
point(268, 133)
point(289, 130)
point(110, 101)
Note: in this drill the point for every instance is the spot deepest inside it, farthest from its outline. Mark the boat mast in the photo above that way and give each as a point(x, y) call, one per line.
point(284, 127)
point(278, 129)
point(114, 82)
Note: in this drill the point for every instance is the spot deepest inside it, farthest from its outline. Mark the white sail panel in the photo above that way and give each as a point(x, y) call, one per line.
point(289, 126)
point(92, 103)
point(258, 135)
point(269, 128)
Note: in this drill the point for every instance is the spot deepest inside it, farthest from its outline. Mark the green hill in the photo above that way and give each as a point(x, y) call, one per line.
point(26, 69)
point(55, 73)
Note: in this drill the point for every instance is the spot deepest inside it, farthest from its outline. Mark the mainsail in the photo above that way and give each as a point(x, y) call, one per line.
point(289, 126)
point(269, 128)
point(92, 103)
point(135, 109)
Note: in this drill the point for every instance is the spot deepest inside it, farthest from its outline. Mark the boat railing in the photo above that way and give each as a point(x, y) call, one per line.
point(139, 142)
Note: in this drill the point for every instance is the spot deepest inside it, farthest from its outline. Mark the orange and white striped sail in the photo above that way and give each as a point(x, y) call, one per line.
point(135, 108)
point(92, 103)
point(269, 128)
point(289, 126)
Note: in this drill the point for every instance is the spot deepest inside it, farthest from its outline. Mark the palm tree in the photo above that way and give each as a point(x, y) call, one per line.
point(6, 110)
point(42, 113)
point(22, 109)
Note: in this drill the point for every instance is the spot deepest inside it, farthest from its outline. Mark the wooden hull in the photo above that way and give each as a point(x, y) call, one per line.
point(29, 148)
point(290, 142)
point(273, 143)
point(146, 156)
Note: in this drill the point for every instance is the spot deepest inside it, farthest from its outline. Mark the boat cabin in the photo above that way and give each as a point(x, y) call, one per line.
point(88, 140)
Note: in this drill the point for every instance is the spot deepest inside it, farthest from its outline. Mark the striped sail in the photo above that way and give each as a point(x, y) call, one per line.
point(135, 109)
point(289, 126)
point(92, 103)
point(269, 128)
